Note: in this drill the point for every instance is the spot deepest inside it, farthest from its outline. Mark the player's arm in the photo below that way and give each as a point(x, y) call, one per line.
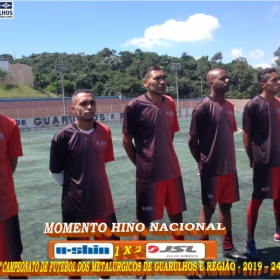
point(13, 163)
point(246, 135)
point(129, 147)
point(194, 147)
point(55, 167)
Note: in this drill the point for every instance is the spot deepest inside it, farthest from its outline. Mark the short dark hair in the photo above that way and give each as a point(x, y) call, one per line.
point(264, 74)
point(82, 91)
point(146, 73)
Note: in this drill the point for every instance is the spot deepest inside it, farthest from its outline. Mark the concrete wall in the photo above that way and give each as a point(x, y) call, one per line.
point(47, 123)
point(19, 74)
point(239, 104)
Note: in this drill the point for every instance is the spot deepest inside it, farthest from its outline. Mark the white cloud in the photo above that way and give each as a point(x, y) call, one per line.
point(262, 65)
point(198, 27)
point(256, 54)
point(274, 9)
point(237, 53)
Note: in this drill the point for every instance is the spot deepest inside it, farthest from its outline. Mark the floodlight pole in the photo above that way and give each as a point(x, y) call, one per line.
point(175, 68)
point(74, 76)
point(62, 66)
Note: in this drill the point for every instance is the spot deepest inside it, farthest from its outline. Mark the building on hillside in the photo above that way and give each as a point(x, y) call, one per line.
point(18, 74)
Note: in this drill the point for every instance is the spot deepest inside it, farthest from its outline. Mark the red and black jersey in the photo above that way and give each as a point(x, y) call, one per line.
point(86, 193)
point(214, 125)
point(263, 120)
point(153, 127)
point(10, 146)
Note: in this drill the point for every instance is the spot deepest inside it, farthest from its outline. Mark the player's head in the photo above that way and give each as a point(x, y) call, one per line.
point(154, 80)
point(218, 80)
point(269, 80)
point(264, 74)
point(83, 105)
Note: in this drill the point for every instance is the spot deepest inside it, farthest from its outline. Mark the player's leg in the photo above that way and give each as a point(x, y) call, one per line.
point(261, 189)
point(205, 216)
point(10, 242)
point(175, 202)
point(149, 204)
point(228, 194)
point(108, 220)
point(276, 201)
point(149, 207)
point(252, 218)
point(224, 217)
point(209, 186)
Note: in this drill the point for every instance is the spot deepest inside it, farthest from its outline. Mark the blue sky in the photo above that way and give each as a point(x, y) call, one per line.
point(248, 29)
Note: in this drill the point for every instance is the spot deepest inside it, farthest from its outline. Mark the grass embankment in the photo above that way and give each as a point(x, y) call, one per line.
point(22, 91)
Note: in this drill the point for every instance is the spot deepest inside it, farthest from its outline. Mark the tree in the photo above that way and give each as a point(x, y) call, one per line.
point(277, 57)
point(112, 62)
point(3, 74)
point(6, 57)
point(217, 58)
point(126, 58)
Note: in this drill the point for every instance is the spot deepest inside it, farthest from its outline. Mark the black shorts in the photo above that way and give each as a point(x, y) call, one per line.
point(10, 240)
point(266, 181)
point(108, 220)
point(219, 189)
point(151, 198)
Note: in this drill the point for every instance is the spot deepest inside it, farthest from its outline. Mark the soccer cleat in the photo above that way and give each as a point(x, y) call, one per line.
point(234, 254)
point(276, 237)
point(251, 250)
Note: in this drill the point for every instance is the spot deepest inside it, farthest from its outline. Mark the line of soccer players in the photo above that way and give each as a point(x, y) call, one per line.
point(80, 151)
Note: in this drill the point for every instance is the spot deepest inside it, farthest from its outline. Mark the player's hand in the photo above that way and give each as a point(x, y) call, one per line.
point(251, 163)
point(198, 174)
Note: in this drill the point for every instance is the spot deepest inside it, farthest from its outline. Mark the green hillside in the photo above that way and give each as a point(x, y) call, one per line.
point(22, 91)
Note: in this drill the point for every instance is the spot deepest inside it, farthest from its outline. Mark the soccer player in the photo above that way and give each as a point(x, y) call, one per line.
point(10, 150)
point(212, 146)
point(151, 120)
point(261, 138)
point(78, 155)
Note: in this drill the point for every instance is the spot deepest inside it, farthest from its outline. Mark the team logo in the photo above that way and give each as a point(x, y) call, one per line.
point(266, 189)
point(76, 147)
point(102, 143)
point(6, 10)
point(175, 250)
point(169, 113)
point(230, 112)
point(1, 136)
point(210, 196)
point(148, 208)
point(85, 250)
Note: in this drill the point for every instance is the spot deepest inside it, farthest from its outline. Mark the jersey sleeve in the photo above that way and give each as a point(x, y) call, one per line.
point(234, 125)
point(129, 121)
point(196, 123)
point(14, 148)
point(56, 156)
point(175, 127)
point(109, 156)
point(247, 120)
